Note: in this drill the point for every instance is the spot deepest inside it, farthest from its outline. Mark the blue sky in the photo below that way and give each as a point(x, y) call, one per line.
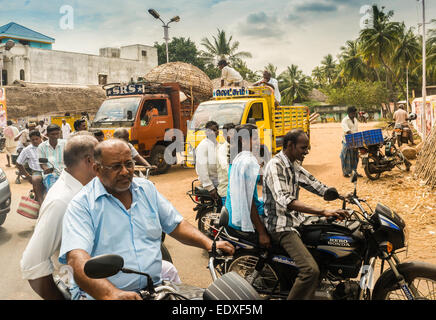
point(282, 32)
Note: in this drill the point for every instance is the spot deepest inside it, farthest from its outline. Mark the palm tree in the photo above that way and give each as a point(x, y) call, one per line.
point(294, 85)
point(431, 53)
point(352, 65)
point(328, 66)
point(378, 43)
point(221, 47)
point(318, 77)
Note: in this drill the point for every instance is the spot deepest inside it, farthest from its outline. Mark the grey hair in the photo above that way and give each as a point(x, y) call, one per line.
point(77, 148)
point(120, 133)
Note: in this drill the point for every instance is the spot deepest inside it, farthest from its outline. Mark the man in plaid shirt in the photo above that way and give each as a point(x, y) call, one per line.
point(284, 212)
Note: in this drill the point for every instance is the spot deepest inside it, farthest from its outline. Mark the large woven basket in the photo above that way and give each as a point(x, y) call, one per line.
point(189, 78)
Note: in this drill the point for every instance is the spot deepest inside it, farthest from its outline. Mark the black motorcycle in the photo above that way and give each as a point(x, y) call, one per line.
point(230, 286)
point(344, 251)
point(207, 209)
point(378, 158)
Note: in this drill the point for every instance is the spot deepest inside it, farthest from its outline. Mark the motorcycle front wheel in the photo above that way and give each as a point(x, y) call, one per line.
point(418, 276)
point(403, 164)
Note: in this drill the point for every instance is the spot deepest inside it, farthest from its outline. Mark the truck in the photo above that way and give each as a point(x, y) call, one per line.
point(254, 105)
point(125, 106)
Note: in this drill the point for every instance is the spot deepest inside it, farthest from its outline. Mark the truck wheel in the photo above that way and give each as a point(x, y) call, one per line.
point(157, 159)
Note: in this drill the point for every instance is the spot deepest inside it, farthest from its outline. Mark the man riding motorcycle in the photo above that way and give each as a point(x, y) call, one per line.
point(283, 177)
point(400, 116)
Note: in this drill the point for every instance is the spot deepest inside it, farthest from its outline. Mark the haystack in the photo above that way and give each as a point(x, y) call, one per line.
point(33, 100)
point(189, 78)
point(426, 163)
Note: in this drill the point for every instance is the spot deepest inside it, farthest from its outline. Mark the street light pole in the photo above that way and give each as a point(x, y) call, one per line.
point(424, 80)
point(165, 26)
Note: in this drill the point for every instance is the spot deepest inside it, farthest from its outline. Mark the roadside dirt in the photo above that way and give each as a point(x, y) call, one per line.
point(400, 191)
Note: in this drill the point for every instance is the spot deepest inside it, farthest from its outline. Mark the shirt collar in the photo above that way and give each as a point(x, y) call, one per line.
point(100, 190)
point(284, 158)
point(75, 184)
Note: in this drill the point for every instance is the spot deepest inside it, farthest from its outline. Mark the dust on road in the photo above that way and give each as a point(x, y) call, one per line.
point(398, 190)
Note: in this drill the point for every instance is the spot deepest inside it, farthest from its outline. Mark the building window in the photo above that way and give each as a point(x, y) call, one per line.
point(4, 77)
point(22, 78)
point(102, 79)
point(144, 53)
point(114, 55)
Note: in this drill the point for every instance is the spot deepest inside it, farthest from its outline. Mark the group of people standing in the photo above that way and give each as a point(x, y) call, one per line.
point(231, 172)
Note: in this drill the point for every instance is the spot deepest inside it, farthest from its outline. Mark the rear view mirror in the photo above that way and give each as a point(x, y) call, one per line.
point(331, 194)
point(103, 266)
point(43, 160)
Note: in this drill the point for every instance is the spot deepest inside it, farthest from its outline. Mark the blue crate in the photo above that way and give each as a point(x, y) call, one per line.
point(354, 140)
point(371, 137)
point(364, 138)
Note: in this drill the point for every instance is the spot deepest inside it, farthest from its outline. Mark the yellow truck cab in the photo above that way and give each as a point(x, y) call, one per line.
point(246, 105)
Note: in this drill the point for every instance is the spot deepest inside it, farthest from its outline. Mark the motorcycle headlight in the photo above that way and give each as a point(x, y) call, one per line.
point(2, 175)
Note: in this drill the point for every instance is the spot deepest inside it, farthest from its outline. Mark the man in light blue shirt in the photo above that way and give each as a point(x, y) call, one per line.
point(118, 214)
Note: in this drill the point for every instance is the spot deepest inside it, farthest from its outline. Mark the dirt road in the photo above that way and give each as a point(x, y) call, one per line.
point(396, 189)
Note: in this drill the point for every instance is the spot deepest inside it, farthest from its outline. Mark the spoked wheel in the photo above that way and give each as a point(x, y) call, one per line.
point(425, 287)
point(403, 164)
point(420, 278)
point(370, 169)
point(207, 223)
point(266, 283)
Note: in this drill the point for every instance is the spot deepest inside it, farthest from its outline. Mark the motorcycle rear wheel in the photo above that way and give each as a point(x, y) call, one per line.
point(368, 168)
point(206, 222)
point(421, 276)
point(266, 283)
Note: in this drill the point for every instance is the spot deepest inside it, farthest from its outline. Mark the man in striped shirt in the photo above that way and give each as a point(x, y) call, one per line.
point(284, 211)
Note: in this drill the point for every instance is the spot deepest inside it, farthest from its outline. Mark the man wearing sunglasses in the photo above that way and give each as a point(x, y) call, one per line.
point(118, 214)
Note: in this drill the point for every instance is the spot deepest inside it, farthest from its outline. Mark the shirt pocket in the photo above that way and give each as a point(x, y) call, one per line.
point(148, 225)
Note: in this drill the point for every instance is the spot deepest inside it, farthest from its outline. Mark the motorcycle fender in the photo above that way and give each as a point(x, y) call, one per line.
point(388, 277)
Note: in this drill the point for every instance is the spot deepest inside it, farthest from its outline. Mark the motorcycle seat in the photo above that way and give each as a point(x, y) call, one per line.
point(199, 191)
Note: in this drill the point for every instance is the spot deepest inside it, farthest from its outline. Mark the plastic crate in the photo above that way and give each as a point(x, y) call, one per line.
point(371, 137)
point(364, 138)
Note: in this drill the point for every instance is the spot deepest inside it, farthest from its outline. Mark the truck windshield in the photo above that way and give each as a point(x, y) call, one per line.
point(221, 113)
point(122, 109)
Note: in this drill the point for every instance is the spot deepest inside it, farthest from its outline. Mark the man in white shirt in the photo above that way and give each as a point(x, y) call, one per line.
point(36, 264)
point(349, 156)
point(66, 129)
point(400, 116)
point(42, 128)
point(273, 83)
point(206, 159)
point(229, 75)
point(11, 144)
point(223, 161)
point(23, 137)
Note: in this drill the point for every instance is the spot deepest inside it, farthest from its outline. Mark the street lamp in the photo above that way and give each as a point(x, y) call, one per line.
point(165, 26)
point(8, 46)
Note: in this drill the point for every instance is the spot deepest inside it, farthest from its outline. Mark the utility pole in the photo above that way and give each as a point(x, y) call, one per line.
point(424, 80)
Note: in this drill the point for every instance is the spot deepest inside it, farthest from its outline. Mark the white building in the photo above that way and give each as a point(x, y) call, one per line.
point(30, 62)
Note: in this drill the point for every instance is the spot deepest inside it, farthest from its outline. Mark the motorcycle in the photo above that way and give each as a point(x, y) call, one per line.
point(230, 286)
point(344, 251)
point(207, 209)
point(402, 132)
point(375, 161)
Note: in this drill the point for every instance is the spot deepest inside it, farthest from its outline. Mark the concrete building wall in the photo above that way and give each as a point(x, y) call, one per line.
point(59, 67)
